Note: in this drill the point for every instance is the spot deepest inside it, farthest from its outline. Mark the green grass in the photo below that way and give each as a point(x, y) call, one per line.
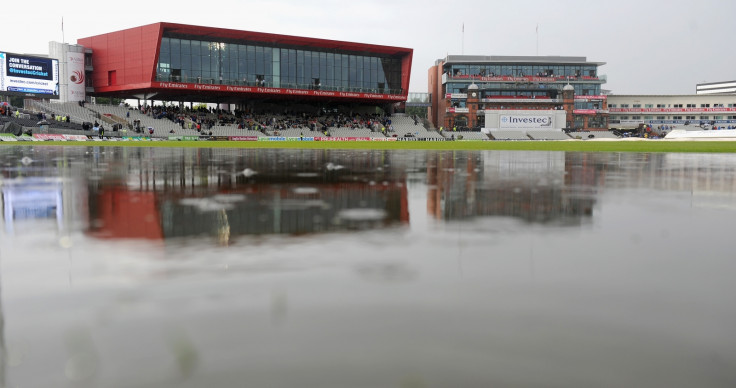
point(574, 146)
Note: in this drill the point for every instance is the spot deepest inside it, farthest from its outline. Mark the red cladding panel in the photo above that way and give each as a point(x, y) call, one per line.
point(406, 72)
point(130, 53)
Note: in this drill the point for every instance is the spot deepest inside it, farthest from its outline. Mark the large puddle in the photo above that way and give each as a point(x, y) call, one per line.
point(148, 267)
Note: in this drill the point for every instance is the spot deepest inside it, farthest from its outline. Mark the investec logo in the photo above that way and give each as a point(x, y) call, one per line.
point(541, 121)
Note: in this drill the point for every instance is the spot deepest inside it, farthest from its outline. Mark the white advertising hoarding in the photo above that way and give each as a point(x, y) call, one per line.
point(75, 72)
point(515, 122)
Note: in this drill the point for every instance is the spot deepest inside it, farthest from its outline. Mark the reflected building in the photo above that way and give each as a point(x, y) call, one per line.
point(227, 193)
point(40, 191)
point(533, 186)
point(33, 198)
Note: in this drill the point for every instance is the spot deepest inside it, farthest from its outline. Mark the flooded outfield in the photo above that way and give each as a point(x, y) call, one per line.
point(143, 267)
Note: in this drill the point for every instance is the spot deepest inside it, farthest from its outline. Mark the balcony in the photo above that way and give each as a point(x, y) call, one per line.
point(525, 100)
point(525, 79)
point(590, 111)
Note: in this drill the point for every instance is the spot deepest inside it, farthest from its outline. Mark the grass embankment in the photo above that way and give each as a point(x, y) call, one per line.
point(573, 146)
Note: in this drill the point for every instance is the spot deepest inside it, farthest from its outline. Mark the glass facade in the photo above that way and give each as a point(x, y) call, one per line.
point(558, 76)
point(210, 62)
point(581, 89)
point(523, 70)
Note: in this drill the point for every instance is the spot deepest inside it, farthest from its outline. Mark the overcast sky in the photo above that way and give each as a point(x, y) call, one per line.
point(649, 47)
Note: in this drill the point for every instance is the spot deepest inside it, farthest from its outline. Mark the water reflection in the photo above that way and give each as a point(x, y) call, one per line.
point(171, 193)
point(538, 187)
point(215, 267)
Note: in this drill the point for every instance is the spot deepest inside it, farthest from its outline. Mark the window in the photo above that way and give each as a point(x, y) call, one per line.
point(691, 105)
point(661, 106)
point(624, 117)
point(717, 117)
point(676, 117)
point(705, 117)
point(677, 105)
point(624, 105)
point(647, 117)
point(660, 117)
point(636, 106)
point(705, 105)
point(689, 117)
point(649, 105)
point(636, 117)
point(611, 105)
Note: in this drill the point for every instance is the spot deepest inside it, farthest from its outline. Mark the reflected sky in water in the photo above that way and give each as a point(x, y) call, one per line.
point(147, 267)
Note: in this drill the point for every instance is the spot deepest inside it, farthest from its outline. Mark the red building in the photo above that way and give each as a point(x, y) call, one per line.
point(176, 62)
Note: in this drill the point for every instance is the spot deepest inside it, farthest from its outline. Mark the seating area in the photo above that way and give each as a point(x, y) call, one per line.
point(403, 125)
point(223, 123)
point(469, 135)
point(162, 127)
point(77, 114)
point(508, 134)
point(29, 121)
point(233, 130)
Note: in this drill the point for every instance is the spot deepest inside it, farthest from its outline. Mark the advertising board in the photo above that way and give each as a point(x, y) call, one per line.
point(29, 76)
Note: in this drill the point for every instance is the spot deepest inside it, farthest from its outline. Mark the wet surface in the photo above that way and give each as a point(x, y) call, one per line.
point(143, 267)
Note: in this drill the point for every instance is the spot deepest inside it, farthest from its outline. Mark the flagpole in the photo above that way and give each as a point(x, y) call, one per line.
point(463, 41)
point(537, 39)
point(63, 39)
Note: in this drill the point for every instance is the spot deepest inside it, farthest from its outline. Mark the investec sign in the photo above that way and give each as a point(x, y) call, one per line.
point(526, 122)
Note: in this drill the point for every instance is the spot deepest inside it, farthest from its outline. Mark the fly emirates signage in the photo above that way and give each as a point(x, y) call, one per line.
point(279, 91)
point(509, 122)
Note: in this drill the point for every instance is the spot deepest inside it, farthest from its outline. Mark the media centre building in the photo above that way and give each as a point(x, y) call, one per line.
point(517, 92)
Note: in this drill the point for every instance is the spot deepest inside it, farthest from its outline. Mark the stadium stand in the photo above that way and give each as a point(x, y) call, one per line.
point(405, 125)
point(467, 135)
point(232, 130)
point(507, 134)
point(292, 121)
point(163, 127)
point(77, 114)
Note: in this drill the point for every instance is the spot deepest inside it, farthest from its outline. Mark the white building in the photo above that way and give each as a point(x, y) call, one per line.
point(75, 63)
point(628, 111)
